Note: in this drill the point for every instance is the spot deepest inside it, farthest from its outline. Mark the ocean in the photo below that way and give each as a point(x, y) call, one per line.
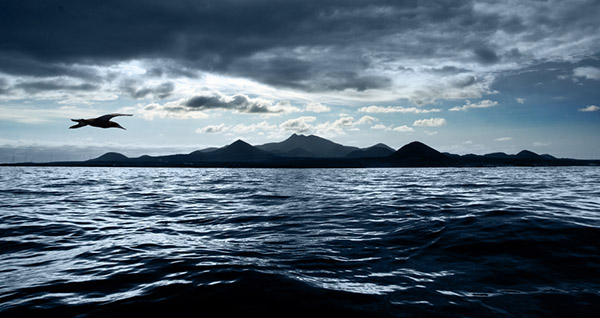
point(404, 242)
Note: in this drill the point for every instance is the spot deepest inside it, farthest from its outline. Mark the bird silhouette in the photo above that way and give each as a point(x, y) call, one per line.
point(100, 122)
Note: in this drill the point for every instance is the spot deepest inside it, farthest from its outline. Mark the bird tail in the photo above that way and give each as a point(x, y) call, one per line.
point(80, 123)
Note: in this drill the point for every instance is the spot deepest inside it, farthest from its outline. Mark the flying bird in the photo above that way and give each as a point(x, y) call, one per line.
point(100, 122)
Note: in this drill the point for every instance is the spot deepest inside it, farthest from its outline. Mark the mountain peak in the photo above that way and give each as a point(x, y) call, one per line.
point(418, 153)
point(417, 146)
point(526, 154)
point(238, 151)
point(311, 144)
point(382, 145)
point(239, 142)
point(111, 156)
point(298, 137)
point(375, 151)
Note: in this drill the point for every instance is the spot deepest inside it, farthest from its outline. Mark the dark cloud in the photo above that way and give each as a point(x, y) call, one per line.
point(352, 80)
point(172, 70)
point(513, 25)
point(486, 55)
point(308, 45)
point(464, 81)
point(41, 86)
point(161, 91)
point(536, 81)
point(240, 103)
point(306, 75)
point(3, 86)
point(448, 70)
point(15, 64)
point(404, 69)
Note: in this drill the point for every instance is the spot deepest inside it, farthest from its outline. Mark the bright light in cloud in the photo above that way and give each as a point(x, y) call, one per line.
point(403, 128)
point(587, 72)
point(172, 109)
point(379, 126)
point(396, 109)
point(262, 126)
point(590, 108)
point(304, 124)
point(482, 104)
point(431, 122)
point(366, 120)
point(298, 125)
point(239, 128)
point(338, 127)
point(317, 108)
point(212, 129)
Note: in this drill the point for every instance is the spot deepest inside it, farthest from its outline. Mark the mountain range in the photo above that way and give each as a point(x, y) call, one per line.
point(300, 151)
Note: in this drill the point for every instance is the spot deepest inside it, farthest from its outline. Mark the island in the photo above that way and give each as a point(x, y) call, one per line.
point(300, 151)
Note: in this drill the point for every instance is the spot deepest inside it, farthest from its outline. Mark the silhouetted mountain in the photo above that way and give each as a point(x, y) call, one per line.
point(376, 151)
point(382, 145)
point(498, 155)
point(549, 157)
point(417, 153)
point(111, 157)
point(300, 151)
point(526, 154)
point(238, 151)
point(452, 155)
point(317, 146)
point(205, 150)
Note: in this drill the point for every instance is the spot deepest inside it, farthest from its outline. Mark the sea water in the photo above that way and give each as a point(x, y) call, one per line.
point(476, 242)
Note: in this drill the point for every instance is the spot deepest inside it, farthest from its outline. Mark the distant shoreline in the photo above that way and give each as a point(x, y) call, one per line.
point(332, 165)
point(299, 151)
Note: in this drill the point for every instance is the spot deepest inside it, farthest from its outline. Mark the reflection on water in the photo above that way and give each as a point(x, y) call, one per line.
point(450, 242)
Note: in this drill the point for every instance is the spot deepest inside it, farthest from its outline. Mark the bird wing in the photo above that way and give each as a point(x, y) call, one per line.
point(110, 116)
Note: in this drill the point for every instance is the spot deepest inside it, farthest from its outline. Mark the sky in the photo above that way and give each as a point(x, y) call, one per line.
point(460, 76)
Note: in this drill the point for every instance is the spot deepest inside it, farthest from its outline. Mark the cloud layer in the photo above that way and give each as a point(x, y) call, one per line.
point(589, 108)
point(486, 103)
point(310, 46)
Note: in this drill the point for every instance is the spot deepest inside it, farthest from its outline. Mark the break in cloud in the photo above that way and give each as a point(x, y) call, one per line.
point(402, 128)
point(590, 108)
point(239, 103)
point(306, 46)
point(397, 109)
point(317, 108)
point(197, 106)
point(431, 122)
point(137, 90)
point(482, 104)
point(302, 125)
point(330, 129)
point(587, 72)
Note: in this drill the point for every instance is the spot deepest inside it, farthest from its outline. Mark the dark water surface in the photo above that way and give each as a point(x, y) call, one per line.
point(501, 242)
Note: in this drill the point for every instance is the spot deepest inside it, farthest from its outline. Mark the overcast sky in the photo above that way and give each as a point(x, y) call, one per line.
point(460, 76)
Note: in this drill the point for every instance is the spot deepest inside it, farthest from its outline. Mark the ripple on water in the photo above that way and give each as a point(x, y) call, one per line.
point(364, 242)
